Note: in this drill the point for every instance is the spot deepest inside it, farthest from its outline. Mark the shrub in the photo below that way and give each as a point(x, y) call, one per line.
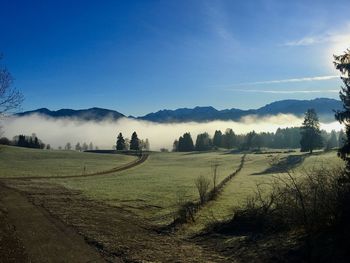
point(202, 184)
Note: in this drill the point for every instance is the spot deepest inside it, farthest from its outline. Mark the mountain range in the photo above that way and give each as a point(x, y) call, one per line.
point(324, 107)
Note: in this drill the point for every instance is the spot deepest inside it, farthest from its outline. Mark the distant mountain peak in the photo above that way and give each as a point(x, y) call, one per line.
point(324, 107)
point(91, 114)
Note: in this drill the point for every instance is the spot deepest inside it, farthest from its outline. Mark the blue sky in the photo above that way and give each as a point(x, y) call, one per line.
point(141, 56)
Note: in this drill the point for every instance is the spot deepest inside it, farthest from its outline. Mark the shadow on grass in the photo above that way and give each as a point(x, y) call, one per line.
point(284, 164)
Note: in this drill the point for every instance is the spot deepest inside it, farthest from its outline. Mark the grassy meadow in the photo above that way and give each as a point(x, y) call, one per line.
point(154, 189)
point(25, 162)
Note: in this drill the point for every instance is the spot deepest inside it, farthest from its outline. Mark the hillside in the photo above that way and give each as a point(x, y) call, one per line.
point(95, 114)
point(324, 107)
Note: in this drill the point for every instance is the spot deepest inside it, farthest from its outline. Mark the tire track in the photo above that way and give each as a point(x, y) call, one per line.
point(141, 159)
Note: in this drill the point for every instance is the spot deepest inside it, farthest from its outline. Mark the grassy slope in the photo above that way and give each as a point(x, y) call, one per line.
point(152, 189)
point(22, 162)
point(244, 184)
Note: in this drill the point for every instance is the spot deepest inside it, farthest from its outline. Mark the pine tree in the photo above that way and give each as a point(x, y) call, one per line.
point(310, 132)
point(185, 143)
point(134, 143)
point(217, 140)
point(203, 142)
point(120, 142)
point(229, 139)
point(342, 63)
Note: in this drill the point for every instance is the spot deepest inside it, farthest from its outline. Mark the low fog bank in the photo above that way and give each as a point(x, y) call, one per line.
point(57, 132)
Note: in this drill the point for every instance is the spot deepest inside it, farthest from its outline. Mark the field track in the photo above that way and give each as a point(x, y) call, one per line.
point(42, 237)
point(132, 164)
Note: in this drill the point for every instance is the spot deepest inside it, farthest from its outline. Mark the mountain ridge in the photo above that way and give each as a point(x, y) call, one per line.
point(324, 107)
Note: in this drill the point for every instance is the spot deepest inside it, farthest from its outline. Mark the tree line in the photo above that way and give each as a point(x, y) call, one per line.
point(307, 137)
point(25, 141)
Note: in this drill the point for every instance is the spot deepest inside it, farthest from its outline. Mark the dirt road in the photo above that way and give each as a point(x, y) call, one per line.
point(42, 237)
point(48, 224)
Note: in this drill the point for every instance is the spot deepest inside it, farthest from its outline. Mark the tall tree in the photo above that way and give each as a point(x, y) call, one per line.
point(342, 63)
point(217, 139)
point(203, 142)
point(134, 143)
point(120, 142)
point(229, 139)
point(310, 132)
point(185, 143)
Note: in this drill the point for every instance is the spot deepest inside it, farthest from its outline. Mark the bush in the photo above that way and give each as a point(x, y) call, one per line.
point(311, 201)
point(202, 184)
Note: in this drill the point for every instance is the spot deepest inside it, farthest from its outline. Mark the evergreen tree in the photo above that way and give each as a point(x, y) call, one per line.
point(217, 140)
point(120, 142)
point(134, 143)
point(249, 140)
point(342, 63)
point(185, 143)
point(310, 132)
point(203, 142)
point(229, 139)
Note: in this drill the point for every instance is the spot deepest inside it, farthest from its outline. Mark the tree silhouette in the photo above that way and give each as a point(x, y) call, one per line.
point(120, 142)
point(342, 63)
point(185, 143)
point(203, 142)
point(310, 132)
point(134, 143)
point(217, 140)
point(229, 139)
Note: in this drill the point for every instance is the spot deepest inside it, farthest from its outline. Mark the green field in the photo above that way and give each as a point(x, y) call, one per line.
point(153, 189)
point(24, 162)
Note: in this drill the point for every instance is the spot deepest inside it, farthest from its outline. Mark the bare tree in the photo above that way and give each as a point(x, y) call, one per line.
point(202, 183)
point(10, 98)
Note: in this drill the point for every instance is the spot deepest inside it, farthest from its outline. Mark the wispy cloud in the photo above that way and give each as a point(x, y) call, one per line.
point(326, 37)
point(279, 81)
point(285, 91)
point(310, 40)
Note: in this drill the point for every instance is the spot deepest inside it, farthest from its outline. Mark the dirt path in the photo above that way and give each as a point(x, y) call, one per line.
point(120, 236)
point(42, 237)
point(132, 164)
